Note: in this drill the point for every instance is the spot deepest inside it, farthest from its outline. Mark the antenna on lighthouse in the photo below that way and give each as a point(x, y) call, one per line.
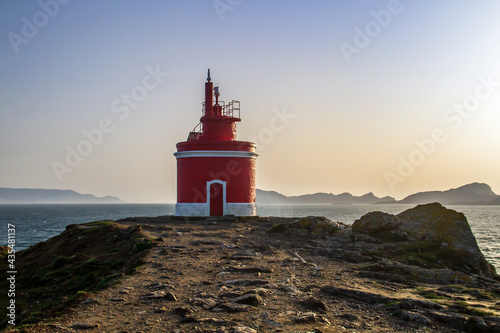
point(217, 94)
point(208, 75)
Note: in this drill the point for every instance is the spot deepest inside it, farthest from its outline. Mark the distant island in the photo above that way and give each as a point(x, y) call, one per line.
point(272, 197)
point(471, 194)
point(45, 196)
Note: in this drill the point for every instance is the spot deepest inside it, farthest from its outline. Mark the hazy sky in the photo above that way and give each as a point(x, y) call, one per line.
point(392, 97)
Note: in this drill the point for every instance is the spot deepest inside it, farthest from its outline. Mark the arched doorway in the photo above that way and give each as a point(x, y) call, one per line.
point(216, 199)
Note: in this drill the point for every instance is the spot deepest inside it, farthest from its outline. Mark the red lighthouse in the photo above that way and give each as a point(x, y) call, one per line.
point(215, 173)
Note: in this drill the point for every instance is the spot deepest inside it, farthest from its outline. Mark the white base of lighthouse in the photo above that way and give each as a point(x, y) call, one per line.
point(203, 209)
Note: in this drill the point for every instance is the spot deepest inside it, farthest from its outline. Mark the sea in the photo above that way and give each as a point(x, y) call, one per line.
point(38, 222)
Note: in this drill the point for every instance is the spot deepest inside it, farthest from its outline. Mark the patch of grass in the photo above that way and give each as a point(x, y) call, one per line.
point(144, 244)
point(388, 304)
point(480, 313)
point(457, 287)
point(481, 294)
point(465, 308)
point(278, 229)
point(99, 224)
point(433, 295)
point(61, 261)
point(430, 294)
point(486, 295)
point(109, 281)
point(462, 304)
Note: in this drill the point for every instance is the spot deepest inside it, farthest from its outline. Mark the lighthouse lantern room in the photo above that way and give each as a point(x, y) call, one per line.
point(215, 172)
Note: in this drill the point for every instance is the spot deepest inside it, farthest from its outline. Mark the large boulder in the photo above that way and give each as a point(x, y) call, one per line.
point(430, 236)
point(318, 225)
point(376, 222)
point(435, 223)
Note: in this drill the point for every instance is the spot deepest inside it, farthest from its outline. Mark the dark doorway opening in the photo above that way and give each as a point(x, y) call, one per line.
point(216, 199)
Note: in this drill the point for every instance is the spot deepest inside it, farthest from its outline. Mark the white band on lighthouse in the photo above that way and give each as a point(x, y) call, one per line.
point(215, 153)
point(203, 209)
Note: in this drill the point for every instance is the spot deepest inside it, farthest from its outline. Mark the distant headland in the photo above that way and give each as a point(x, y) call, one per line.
point(470, 194)
point(46, 196)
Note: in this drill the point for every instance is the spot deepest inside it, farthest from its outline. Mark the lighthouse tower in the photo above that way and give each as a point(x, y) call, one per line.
point(215, 173)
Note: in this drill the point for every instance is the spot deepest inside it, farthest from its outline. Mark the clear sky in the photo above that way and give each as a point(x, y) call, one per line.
point(391, 97)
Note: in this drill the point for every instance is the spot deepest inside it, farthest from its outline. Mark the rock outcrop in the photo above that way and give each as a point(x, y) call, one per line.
point(433, 232)
point(318, 225)
point(375, 222)
point(433, 222)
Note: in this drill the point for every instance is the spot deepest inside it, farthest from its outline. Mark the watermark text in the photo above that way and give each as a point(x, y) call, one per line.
point(453, 117)
point(31, 27)
point(94, 137)
point(11, 273)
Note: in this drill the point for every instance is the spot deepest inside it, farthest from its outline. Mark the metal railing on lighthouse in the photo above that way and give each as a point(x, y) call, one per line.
point(230, 110)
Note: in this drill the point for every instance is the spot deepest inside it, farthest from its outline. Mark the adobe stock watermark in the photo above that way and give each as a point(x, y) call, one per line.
point(223, 6)
point(121, 107)
point(11, 274)
point(453, 118)
point(277, 124)
point(364, 36)
point(31, 27)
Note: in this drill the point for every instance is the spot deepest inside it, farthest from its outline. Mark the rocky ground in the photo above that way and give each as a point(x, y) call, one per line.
point(294, 275)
